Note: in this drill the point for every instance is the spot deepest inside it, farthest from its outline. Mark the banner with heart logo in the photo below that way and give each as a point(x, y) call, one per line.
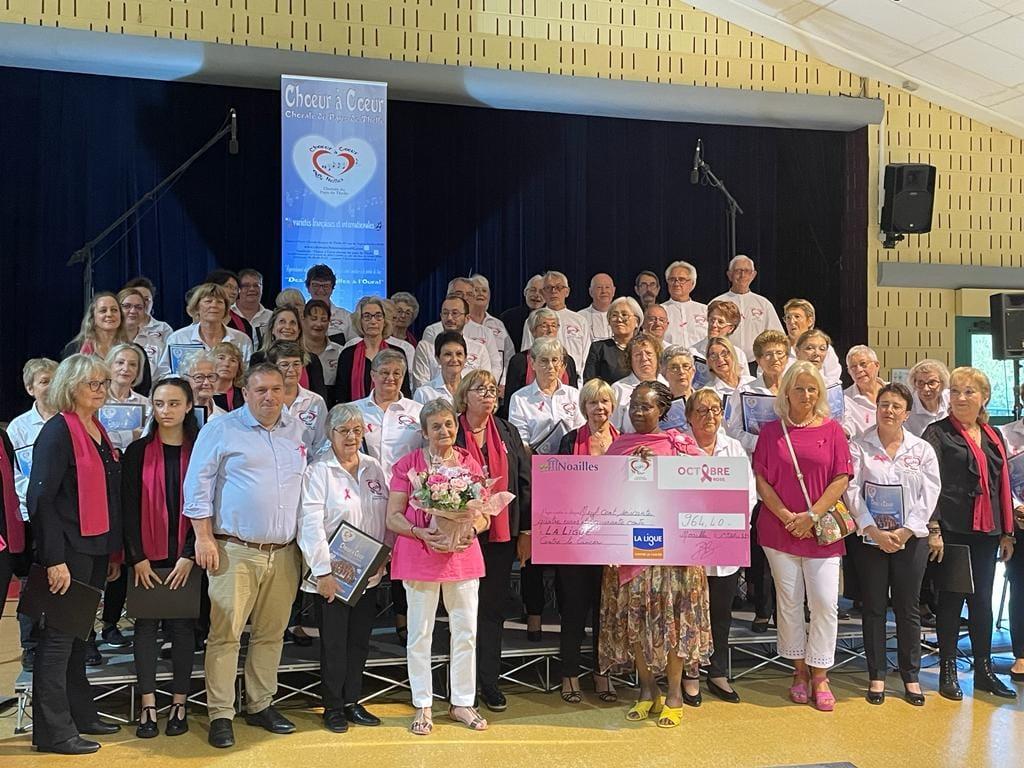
point(334, 184)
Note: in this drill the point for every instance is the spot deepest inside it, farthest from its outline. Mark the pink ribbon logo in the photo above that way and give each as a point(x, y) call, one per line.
point(348, 495)
point(705, 474)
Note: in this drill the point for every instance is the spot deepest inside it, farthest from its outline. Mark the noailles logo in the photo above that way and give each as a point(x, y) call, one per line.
point(649, 543)
point(579, 465)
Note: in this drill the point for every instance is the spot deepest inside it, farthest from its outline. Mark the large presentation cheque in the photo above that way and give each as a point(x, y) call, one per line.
point(623, 510)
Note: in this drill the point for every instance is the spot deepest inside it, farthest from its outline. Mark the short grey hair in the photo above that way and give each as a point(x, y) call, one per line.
point(404, 297)
point(928, 364)
point(546, 345)
point(682, 265)
point(556, 274)
point(543, 313)
point(70, 373)
point(454, 280)
point(435, 407)
point(673, 351)
point(528, 282)
point(480, 280)
point(344, 413)
point(199, 356)
point(738, 258)
point(632, 304)
point(118, 349)
point(861, 349)
point(386, 356)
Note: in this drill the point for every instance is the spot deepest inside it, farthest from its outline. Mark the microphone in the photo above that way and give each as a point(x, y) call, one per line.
point(697, 152)
point(233, 142)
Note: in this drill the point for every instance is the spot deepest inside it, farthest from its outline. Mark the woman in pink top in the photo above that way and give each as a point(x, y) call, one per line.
point(800, 566)
point(427, 567)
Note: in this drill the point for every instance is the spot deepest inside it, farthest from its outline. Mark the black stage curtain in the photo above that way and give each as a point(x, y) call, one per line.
point(502, 192)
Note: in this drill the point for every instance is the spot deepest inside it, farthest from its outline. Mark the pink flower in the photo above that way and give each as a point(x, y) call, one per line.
point(460, 483)
point(435, 479)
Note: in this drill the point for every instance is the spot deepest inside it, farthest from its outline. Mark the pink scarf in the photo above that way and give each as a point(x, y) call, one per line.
point(497, 468)
point(155, 515)
point(93, 511)
point(358, 376)
point(983, 518)
point(410, 337)
point(235, 321)
point(12, 506)
point(582, 445)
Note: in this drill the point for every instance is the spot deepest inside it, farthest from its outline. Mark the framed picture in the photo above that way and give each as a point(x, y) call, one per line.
point(177, 353)
point(355, 557)
point(122, 417)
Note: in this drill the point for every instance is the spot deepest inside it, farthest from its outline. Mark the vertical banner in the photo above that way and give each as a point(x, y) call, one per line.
point(334, 184)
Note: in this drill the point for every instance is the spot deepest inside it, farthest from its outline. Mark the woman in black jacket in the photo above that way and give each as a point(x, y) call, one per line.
point(496, 444)
point(542, 322)
point(975, 510)
point(607, 358)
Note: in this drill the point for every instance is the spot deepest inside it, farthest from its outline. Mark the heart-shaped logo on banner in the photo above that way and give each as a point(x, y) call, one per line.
point(334, 171)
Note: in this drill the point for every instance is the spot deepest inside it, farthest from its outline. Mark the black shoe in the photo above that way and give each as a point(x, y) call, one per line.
point(73, 746)
point(147, 729)
point(928, 620)
point(177, 725)
point(493, 698)
point(842, 614)
point(949, 686)
point(112, 636)
point(694, 700)
point(93, 657)
point(334, 721)
point(985, 680)
point(303, 640)
point(730, 696)
point(99, 728)
point(28, 659)
point(270, 720)
point(759, 625)
point(222, 735)
point(917, 699)
point(357, 714)
point(875, 697)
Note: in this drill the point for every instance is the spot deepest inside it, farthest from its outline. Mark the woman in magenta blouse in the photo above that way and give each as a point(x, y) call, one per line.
point(800, 566)
point(426, 567)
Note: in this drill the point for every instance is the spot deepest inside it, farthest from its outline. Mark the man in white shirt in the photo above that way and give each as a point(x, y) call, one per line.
point(320, 282)
point(756, 313)
point(242, 492)
point(499, 344)
point(472, 330)
point(454, 317)
point(861, 396)
point(647, 287)
point(573, 329)
point(687, 319)
point(249, 306)
point(656, 323)
point(602, 291)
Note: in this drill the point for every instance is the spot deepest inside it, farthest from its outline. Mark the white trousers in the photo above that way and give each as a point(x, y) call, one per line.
point(461, 600)
point(818, 579)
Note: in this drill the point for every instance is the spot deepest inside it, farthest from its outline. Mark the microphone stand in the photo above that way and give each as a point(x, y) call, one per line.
point(732, 207)
point(84, 255)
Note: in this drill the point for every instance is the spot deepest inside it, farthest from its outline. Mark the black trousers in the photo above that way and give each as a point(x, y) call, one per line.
point(531, 585)
point(146, 648)
point(6, 571)
point(898, 575)
point(114, 595)
point(494, 591)
point(1015, 573)
point(578, 588)
point(760, 587)
point(344, 647)
point(979, 605)
point(721, 591)
point(61, 698)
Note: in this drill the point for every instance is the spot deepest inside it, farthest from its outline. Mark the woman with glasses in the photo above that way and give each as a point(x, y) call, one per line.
point(200, 370)
point(286, 325)
point(74, 504)
point(643, 353)
point(678, 370)
point(607, 357)
point(798, 317)
point(725, 375)
point(133, 310)
point(975, 510)
point(304, 404)
point(450, 349)
point(498, 447)
point(929, 381)
point(892, 493)
point(209, 309)
point(542, 323)
point(407, 309)
point(103, 328)
point(372, 324)
point(723, 320)
point(152, 333)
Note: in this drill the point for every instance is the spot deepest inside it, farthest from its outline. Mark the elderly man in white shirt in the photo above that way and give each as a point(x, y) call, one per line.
point(756, 312)
point(929, 381)
point(573, 329)
point(547, 409)
point(306, 406)
point(861, 396)
point(479, 330)
point(687, 319)
point(454, 317)
point(602, 291)
point(499, 345)
point(242, 491)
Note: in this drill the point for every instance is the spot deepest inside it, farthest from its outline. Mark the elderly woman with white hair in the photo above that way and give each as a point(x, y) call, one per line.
point(543, 323)
point(343, 486)
point(74, 504)
point(607, 358)
point(678, 369)
point(803, 440)
point(547, 409)
point(200, 370)
point(499, 343)
point(862, 395)
point(929, 381)
point(407, 309)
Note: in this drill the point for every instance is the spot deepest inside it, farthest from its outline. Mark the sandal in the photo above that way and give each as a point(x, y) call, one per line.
point(823, 701)
point(423, 724)
point(670, 717)
point(608, 695)
point(474, 722)
point(644, 708)
point(573, 695)
point(798, 690)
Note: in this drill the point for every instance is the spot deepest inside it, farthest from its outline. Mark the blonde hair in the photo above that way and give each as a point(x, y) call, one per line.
point(70, 373)
point(291, 298)
point(385, 308)
point(470, 381)
point(593, 390)
point(87, 332)
point(979, 379)
point(705, 395)
point(207, 291)
point(36, 366)
point(118, 349)
point(799, 368)
point(229, 348)
point(722, 341)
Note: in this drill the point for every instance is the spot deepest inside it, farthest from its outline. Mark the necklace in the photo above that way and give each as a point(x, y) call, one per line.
point(435, 460)
point(806, 423)
point(478, 431)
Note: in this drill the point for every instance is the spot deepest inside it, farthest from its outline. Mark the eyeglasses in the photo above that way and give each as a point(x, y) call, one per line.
point(894, 407)
point(396, 375)
point(719, 357)
point(401, 311)
point(930, 384)
point(969, 392)
point(204, 378)
point(717, 322)
point(680, 368)
point(97, 384)
point(485, 391)
point(680, 280)
point(347, 431)
point(130, 307)
point(793, 317)
point(555, 288)
point(652, 286)
point(704, 412)
point(368, 316)
point(320, 285)
point(656, 321)
point(777, 354)
point(245, 286)
point(453, 313)
point(549, 362)
point(618, 315)
point(289, 365)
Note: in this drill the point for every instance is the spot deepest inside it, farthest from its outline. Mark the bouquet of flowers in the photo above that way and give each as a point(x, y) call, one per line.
point(453, 497)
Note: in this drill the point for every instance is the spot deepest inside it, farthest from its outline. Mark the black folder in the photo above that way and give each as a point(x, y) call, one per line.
point(73, 612)
point(954, 573)
point(162, 602)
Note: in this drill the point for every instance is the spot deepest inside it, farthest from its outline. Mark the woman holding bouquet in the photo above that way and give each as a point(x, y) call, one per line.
point(428, 563)
point(656, 617)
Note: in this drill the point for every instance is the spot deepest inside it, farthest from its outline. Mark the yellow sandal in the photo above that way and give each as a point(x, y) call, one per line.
point(644, 708)
point(670, 717)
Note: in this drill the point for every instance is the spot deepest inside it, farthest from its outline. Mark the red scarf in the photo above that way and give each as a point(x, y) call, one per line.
point(235, 321)
point(497, 468)
point(358, 376)
point(229, 397)
point(155, 515)
point(12, 506)
point(983, 517)
point(410, 338)
point(582, 445)
point(304, 378)
point(87, 349)
point(530, 376)
point(93, 511)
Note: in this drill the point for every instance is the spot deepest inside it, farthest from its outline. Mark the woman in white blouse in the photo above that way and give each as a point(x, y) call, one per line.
point(126, 362)
point(771, 350)
point(643, 353)
point(677, 367)
point(450, 352)
point(704, 413)
point(208, 306)
point(547, 409)
point(798, 317)
point(725, 374)
point(892, 495)
point(343, 486)
point(929, 380)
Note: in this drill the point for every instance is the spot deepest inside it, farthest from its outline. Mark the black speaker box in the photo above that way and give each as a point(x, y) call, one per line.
point(909, 195)
point(1007, 315)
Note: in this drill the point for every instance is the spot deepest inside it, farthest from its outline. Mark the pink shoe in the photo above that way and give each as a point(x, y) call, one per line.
point(823, 701)
point(798, 691)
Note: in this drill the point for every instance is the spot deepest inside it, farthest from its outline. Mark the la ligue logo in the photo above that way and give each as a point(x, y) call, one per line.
point(334, 171)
